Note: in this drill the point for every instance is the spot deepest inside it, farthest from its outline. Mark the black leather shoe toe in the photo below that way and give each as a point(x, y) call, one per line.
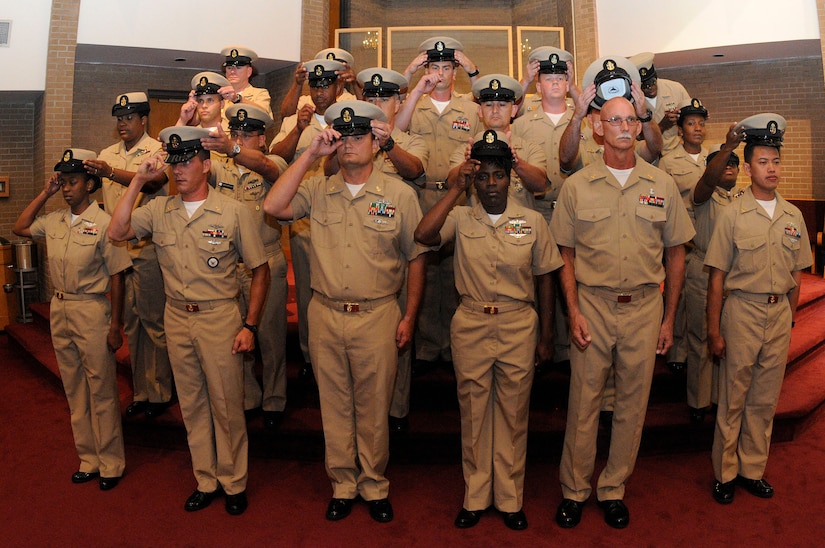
point(273, 419)
point(136, 408)
point(236, 504)
point(758, 488)
point(306, 373)
point(381, 510)
point(697, 416)
point(569, 513)
point(339, 509)
point(83, 477)
point(516, 521)
point(156, 409)
point(723, 492)
point(676, 367)
point(399, 425)
point(200, 500)
point(468, 518)
point(108, 483)
point(616, 514)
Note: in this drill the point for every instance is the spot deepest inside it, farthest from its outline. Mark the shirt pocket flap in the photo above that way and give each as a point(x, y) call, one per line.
point(163, 239)
point(593, 215)
point(328, 218)
point(751, 243)
point(652, 214)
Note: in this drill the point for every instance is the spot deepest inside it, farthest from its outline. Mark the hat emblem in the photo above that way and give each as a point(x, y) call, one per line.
point(174, 141)
point(376, 80)
point(233, 53)
point(346, 115)
point(697, 103)
point(772, 127)
point(241, 115)
point(331, 56)
point(642, 72)
point(203, 81)
point(319, 70)
point(490, 137)
point(124, 100)
point(67, 155)
point(439, 46)
point(610, 64)
point(554, 58)
point(494, 84)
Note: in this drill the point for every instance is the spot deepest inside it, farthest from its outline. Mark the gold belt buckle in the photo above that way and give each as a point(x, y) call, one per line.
point(59, 295)
point(773, 299)
point(192, 307)
point(351, 307)
point(489, 309)
point(440, 185)
point(624, 298)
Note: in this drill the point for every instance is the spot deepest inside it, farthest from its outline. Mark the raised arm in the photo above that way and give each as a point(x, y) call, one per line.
point(120, 228)
point(24, 222)
point(716, 167)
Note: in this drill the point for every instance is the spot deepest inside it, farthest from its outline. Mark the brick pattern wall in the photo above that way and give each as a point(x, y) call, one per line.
point(17, 135)
point(790, 87)
point(314, 27)
point(585, 37)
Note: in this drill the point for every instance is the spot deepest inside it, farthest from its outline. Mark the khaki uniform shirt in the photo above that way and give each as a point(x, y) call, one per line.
point(669, 95)
point(528, 151)
point(119, 158)
point(706, 214)
point(250, 189)
point(685, 170)
point(361, 245)
point(619, 233)
point(259, 96)
point(497, 261)
point(758, 253)
point(81, 257)
point(536, 127)
point(444, 132)
point(198, 256)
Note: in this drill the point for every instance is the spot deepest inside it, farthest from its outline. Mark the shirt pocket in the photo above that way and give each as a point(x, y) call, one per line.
point(253, 192)
point(791, 248)
point(380, 234)
point(518, 251)
point(753, 252)
point(216, 254)
point(327, 230)
point(471, 243)
point(593, 226)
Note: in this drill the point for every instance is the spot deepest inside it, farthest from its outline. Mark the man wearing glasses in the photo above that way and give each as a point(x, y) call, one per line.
point(621, 225)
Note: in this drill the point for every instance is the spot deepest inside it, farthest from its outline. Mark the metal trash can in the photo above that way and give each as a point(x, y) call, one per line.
point(25, 269)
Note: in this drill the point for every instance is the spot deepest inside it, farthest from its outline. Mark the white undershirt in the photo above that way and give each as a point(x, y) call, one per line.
point(652, 101)
point(621, 175)
point(354, 189)
point(494, 217)
point(192, 207)
point(320, 118)
point(440, 105)
point(695, 156)
point(768, 205)
point(74, 218)
point(554, 117)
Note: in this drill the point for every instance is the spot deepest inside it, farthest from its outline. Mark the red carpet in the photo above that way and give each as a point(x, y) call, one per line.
point(669, 496)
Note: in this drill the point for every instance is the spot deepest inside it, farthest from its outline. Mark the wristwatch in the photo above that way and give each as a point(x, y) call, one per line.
point(253, 328)
point(473, 74)
point(235, 151)
point(389, 145)
point(646, 118)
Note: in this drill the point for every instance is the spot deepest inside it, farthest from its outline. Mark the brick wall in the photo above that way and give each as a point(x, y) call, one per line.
point(16, 155)
point(790, 87)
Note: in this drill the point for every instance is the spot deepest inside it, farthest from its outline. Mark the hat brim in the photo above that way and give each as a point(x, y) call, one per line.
point(182, 156)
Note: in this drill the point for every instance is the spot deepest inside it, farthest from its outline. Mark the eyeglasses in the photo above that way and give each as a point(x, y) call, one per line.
point(615, 121)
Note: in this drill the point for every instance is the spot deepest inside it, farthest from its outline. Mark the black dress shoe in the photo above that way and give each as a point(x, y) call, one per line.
point(108, 483)
point(697, 416)
point(616, 514)
point(399, 425)
point(468, 518)
point(156, 409)
point(516, 521)
point(606, 419)
point(339, 509)
point(759, 488)
point(676, 367)
point(236, 504)
point(273, 419)
point(136, 408)
point(200, 500)
point(83, 477)
point(569, 513)
point(381, 510)
point(723, 492)
point(306, 373)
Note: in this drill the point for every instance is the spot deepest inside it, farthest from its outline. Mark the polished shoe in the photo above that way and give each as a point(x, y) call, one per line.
point(399, 425)
point(339, 509)
point(200, 500)
point(468, 518)
point(156, 409)
point(273, 419)
point(723, 492)
point(108, 483)
point(759, 488)
point(676, 367)
point(381, 510)
point(606, 419)
point(136, 408)
point(516, 521)
point(306, 373)
point(569, 513)
point(697, 416)
point(616, 514)
point(83, 477)
point(422, 367)
point(236, 504)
